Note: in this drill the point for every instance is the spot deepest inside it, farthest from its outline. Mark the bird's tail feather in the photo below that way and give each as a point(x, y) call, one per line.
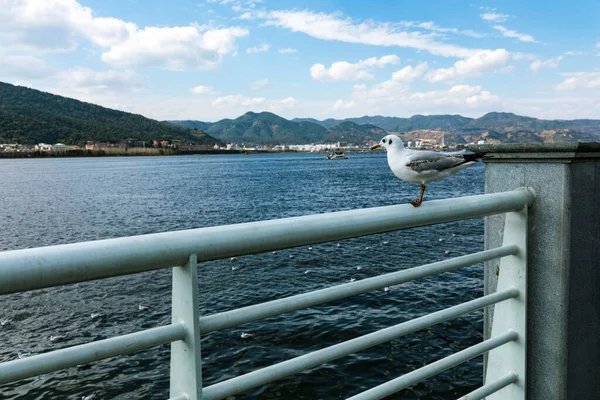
point(470, 157)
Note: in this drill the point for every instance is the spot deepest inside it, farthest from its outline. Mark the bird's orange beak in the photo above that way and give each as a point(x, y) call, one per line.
point(376, 146)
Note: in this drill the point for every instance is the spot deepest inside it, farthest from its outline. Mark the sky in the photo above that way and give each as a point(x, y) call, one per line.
point(212, 59)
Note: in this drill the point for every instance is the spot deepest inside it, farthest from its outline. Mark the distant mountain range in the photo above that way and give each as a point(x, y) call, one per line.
point(266, 128)
point(494, 127)
point(28, 116)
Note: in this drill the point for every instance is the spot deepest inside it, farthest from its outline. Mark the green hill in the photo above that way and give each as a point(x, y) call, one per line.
point(29, 116)
point(266, 128)
point(349, 132)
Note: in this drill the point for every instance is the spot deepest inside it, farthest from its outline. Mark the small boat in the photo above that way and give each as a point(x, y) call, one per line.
point(337, 155)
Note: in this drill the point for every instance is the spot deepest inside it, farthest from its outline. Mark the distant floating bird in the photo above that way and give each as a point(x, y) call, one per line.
point(447, 252)
point(246, 335)
point(97, 315)
point(339, 245)
point(352, 279)
point(358, 268)
point(440, 240)
point(143, 308)
point(233, 268)
point(422, 167)
point(307, 271)
point(233, 258)
point(310, 248)
point(386, 242)
point(274, 252)
point(57, 338)
point(291, 256)
point(23, 355)
point(454, 234)
point(386, 289)
point(368, 247)
point(4, 322)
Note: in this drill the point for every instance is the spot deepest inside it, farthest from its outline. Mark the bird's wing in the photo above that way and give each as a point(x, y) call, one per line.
point(421, 161)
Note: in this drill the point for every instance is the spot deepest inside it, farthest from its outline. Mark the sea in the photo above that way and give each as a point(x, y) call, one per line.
point(47, 202)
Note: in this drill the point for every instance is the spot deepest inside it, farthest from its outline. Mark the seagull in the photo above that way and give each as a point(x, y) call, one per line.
point(143, 307)
point(97, 315)
point(245, 335)
point(422, 167)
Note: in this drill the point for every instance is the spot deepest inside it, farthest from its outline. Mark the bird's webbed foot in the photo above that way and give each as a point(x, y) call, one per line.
point(416, 203)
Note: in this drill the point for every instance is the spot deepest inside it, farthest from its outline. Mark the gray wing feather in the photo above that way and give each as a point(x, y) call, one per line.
point(433, 161)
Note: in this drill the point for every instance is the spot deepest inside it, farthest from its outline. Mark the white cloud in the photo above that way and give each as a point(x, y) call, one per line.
point(200, 89)
point(494, 17)
point(263, 48)
point(24, 67)
point(389, 89)
point(484, 61)
point(580, 80)
point(177, 48)
point(285, 104)
point(549, 63)
point(259, 84)
point(56, 26)
point(430, 25)
point(460, 95)
point(333, 27)
point(598, 44)
point(287, 51)
point(387, 97)
point(85, 80)
point(59, 25)
point(237, 100)
point(409, 74)
point(514, 34)
point(343, 105)
point(343, 70)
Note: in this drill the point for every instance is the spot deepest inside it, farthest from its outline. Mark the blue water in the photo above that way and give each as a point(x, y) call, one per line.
point(54, 201)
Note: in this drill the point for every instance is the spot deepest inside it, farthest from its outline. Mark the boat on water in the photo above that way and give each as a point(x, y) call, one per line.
point(337, 155)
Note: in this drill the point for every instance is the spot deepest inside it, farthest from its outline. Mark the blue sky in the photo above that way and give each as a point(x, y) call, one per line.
point(213, 59)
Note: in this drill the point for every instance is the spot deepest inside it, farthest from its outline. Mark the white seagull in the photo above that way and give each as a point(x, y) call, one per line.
point(422, 167)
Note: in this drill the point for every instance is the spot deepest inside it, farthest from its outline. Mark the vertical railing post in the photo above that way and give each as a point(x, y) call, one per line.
point(511, 314)
point(186, 367)
point(563, 261)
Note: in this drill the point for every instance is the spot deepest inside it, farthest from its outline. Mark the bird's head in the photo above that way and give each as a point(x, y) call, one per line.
point(389, 142)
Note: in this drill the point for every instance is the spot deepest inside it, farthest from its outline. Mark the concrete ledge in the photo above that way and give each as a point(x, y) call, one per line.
point(539, 153)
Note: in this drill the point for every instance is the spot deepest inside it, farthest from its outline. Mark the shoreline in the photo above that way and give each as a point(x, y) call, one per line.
point(134, 152)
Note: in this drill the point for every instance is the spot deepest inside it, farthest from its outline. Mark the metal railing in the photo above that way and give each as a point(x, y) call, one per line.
point(29, 269)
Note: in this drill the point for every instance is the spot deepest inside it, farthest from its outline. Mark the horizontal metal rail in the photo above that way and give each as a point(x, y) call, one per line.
point(492, 387)
point(229, 319)
point(395, 385)
point(29, 269)
point(15, 370)
point(245, 382)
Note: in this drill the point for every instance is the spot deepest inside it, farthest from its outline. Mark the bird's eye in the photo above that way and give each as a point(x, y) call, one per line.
point(390, 141)
point(383, 140)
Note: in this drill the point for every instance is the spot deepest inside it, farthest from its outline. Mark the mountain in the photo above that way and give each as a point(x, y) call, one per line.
point(349, 132)
point(266, 128)
point(199, 125)
point(29, 116)
point(494, 127)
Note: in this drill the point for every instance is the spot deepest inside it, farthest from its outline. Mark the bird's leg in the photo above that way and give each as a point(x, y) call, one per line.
point(417, 203)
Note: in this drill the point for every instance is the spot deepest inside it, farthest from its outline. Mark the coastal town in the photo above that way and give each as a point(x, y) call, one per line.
point(430, 140)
